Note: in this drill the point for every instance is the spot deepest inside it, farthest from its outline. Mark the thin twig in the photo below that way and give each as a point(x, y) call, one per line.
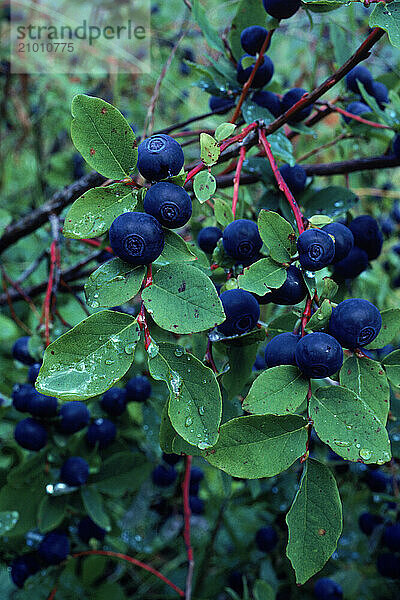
point(236, 180)
point(186, 531)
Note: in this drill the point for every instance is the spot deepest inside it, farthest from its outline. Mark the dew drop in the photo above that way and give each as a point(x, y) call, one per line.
point(365, 453)
point(179, 351)
point(188, 421)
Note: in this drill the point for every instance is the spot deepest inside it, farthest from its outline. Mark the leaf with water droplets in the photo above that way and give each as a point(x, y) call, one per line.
point(349, 426)
point(314, 521)
point(195, 404)
point(387, 17)
point(113, 283)
point(332, 201)
point(279, 391)
point(8, 520)
point(390, 328)
point(77, 365)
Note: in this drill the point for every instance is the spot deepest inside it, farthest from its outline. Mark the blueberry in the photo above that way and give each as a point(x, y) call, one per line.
point(356, 108)
point(102, 432)
point(54, 548)
point(281, 10)
point(327, 589)
point(221, 104)
point(171, 459)
point(74, 417)
point(259, 363)
point(114, 401)
point(368, 522)
point(23, 567)
point(78, 164)
point(88, 529)
point(194, 488)
point(21, 396)
point(290, 99)
point(169, 203)
point(391, 537)
point(159, 157)
point(388, 565)
point(355, 322)
point(293, 291)
point(295, 178)
point(344, 240)
point(316, 249)
point(75, 471)
point(395, 214)
point(242, 312)
point(281, 350)
point(196, 505)
point(387, 226)
point(252, 39)
point(396, 150)
point(353, 265)
point(138, 389)
point(266, 539)
point(196, 475)
point(104, 257)
point(381, 94)
point(20, 351)
point(42, 406)
point(359, 74)
point(33, 372)
point(30, 434)
point(263, 75)
point(137, 238)
point(235, 582)
point(377, 481)
point(319, 355)
point(208, 239)
point(241, 240)
point(268, 100)
point(164, 476)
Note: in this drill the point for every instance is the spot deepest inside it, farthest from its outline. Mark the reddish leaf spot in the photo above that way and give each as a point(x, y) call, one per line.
point(103, 110)
point(92, 151)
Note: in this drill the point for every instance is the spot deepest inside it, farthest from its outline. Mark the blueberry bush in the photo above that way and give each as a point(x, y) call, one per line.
point(200, 391)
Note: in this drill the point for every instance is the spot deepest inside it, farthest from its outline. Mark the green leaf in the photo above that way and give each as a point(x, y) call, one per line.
point(387, 17)
point(261, 276)
point(223, 212)
point(103, 137)
point(92, 213)
point(332, 201)
point(224, 130)
point(282, 324)
point(51, 512)
point(175, 250)
point(90, 358)
point(320, 318)
point(209, 149)
point(195, 404)
point(212, 36)
point(170, 441)
point(114, 283)
point(5, 220)
point(278, 390)
point(8, 520)
point(247, 339)
point(390, 328)
point(204, 186)
point(248, 12)
point(263, 591)
point(241, 361)
point(314, 521)
point(93, 503)
point(277, 234)
point(349, 426)
point(258, 446)
point(391, 362)
point(368, 380)
point(183, 300)
point(329, 290)
point(320, 220)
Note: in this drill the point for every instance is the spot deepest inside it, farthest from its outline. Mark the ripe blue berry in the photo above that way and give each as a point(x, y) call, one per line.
point(352, 265)
point(137, 238)
point(344, 240)
point(268, 100)
point(21, 396)
point(290, 99)
point(295, 178)
point(159, 157)
point(263, 74)
point(355, 322)
point(367, 235)
point(74, 417)
point(356, 108)
point(42, 406)
point(359, 74)
point(196, 505)
point(114, 401)
point(23, 567)
point(242, 312)
point(88, 529)
point(138, 389)
point(259, 363)
point(368, 522)
point(316, 249)
point(169, 203)
point(387, 226)
point(327, 589)
point(293, 291)
point(235, 582)
point(241, 239)
point(377, 481)
point(319, 355)
point(30, 434)
point(208, 239)
point(20, 351)
point(33, 372)
point(54, 548)
point(281, 350)
point(391, 537)
point(252, 39)
point(75, 471)
point(388, 565)
point(221, 104)
point(196, 475)
point(164, 476)
point(78, 164)
point(281, 10)
point(396, 150)
point(266, 539)
point(171, 459)
point(381, 94)
point(102, 432)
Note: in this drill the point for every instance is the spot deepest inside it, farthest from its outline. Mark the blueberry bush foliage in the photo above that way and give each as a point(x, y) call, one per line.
point(211, 410)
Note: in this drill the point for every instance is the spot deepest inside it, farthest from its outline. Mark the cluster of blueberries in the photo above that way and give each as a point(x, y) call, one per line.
point(165, 474)
point(388, 562)
point(377, 90)
point(71, 417)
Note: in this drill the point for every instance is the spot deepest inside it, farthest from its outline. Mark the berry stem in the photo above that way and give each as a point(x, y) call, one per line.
point(236, 181)
point(52, 594)
point(186, 531)
point(346, 113)
point(142, 315)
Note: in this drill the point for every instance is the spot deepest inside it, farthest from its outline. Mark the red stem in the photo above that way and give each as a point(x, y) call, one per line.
point(236, 181)
point(357, 118)
point(96, 244)
point(52, 594)
point(142, 315)
point(46, 314)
